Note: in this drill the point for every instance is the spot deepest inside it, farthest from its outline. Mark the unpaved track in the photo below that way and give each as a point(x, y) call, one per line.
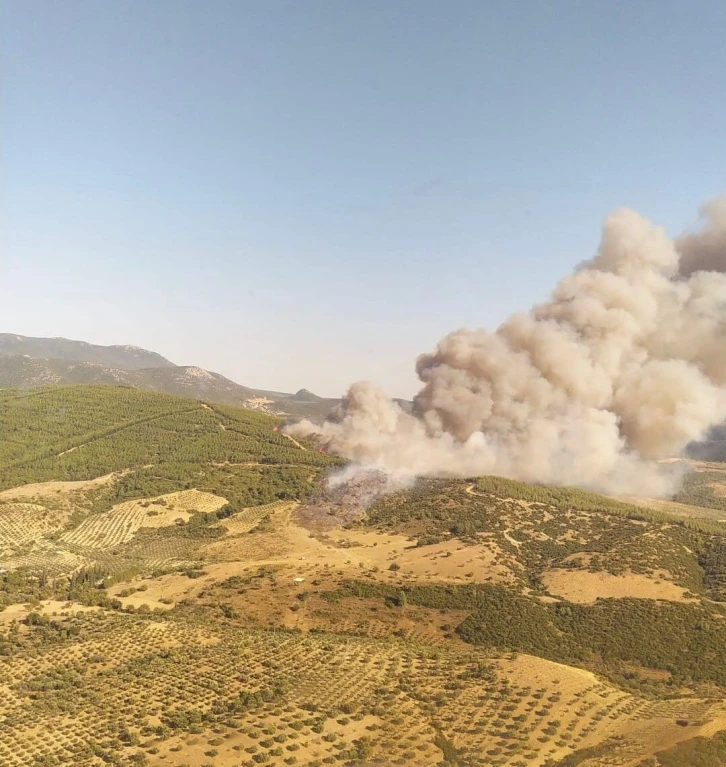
point(292, 439)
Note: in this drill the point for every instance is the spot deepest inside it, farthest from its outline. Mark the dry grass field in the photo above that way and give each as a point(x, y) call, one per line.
point(583, 586)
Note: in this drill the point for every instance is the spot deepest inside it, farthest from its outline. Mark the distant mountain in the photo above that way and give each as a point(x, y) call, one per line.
point(23, 372)
point(123, 357)
point(28, 362)
point(306, 396)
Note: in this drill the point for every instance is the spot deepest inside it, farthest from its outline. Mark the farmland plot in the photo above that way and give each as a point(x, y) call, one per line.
point(176, 689)
point(21, 523)
point(121, 523)
point(108, 529)
point(165, 510)
point(245, 520)
point(45, 556)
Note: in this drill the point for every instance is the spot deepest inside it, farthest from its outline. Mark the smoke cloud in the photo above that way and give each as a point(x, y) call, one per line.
point(624, 365)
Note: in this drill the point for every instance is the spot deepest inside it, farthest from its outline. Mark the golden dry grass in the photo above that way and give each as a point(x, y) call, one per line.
point(54, 490)
point(584, 587)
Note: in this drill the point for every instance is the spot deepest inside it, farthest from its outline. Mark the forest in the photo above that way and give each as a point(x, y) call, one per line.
point(83, 432)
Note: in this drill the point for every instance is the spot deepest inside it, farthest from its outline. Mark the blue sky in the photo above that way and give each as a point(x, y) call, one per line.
point(309, 193)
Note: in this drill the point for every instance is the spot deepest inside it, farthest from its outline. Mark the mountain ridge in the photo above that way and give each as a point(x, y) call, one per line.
point(27, 362)
point(125, 357)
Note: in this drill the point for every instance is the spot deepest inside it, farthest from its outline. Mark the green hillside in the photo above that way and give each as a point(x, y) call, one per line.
point(149, 444)
point(82, 432)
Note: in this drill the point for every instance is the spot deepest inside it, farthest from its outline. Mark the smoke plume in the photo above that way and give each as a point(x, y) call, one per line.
point(624, 365)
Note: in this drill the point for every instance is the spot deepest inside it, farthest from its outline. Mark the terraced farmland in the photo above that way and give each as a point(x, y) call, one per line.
point(249, 518)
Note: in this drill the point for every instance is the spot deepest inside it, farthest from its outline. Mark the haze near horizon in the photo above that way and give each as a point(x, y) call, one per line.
point(306, 195)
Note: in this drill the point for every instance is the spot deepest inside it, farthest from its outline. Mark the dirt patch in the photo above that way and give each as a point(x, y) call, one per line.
point(166, 510)
point(162, 593)
point(450, 561)
point(54, 489)
point(584, 587)
point(387, 558)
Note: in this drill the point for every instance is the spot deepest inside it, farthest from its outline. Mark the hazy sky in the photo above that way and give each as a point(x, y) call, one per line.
point(307, 193)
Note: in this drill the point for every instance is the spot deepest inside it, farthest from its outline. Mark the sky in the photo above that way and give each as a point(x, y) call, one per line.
point(308, 193)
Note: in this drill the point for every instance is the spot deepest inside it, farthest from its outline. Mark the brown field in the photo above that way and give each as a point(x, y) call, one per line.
point(246, 612)
point(397, 694)
point(584, 587)
point(62, 491)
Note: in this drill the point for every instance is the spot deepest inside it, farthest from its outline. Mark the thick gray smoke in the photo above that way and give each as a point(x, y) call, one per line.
point(623, 366)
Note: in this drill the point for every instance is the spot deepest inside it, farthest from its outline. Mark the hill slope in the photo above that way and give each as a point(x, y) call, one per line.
point(22, 372)
point(82, 432)
point(177, 589)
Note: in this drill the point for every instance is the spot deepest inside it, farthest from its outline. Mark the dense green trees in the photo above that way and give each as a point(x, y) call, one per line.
point(82, 432)
point(685, 639)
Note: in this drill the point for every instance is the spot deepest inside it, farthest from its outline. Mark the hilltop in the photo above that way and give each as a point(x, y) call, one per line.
point(123, 357)
point(180, 587)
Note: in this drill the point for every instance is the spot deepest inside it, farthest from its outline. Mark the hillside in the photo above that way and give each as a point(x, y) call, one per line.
point(82, 432)
point(22, 372)
point(179, 587)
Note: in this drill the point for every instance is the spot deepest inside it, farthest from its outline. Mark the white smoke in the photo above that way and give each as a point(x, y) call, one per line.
point(624, 365)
